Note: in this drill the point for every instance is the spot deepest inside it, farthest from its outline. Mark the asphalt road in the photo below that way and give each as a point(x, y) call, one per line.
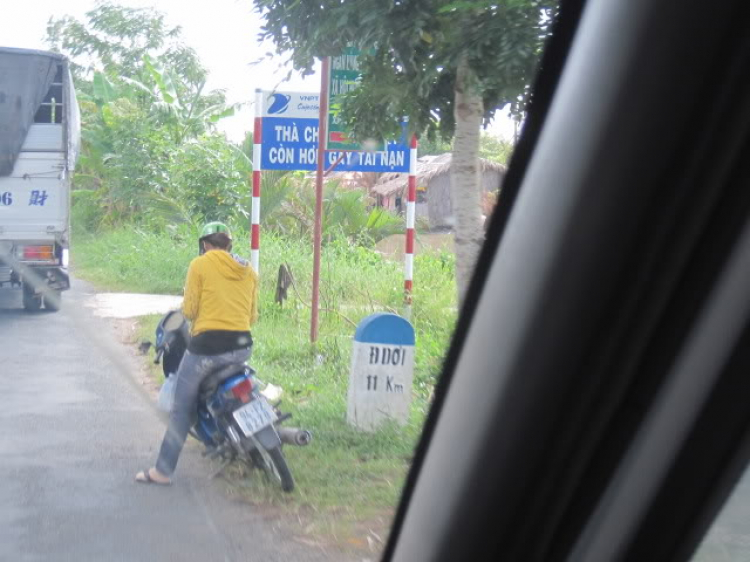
point(75, 426)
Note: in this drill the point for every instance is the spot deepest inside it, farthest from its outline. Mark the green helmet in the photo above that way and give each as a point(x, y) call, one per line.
point(213, 228)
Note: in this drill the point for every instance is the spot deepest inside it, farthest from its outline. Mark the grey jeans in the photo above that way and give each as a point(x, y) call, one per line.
point(193, 369)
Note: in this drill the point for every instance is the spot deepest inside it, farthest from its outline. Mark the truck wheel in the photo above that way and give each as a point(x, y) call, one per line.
point(52, 300)
point(31, 301)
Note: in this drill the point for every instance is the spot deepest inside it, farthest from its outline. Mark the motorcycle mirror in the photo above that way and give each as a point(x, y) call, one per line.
point(174, 322)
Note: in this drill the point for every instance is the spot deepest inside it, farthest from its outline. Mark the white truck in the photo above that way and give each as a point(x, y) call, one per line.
point(39, 142)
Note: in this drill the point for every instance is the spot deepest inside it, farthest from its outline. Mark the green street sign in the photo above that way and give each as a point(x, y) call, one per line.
point(344, 77)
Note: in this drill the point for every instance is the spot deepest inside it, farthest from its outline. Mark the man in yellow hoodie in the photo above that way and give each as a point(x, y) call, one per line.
point(221, 302)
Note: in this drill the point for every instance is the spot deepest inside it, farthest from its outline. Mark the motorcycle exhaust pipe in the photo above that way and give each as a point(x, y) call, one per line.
point(294, 436)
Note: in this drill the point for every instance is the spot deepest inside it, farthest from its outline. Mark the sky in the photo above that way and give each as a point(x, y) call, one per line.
point(224, 33)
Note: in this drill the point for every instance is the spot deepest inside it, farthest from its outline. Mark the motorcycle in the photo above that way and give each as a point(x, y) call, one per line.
point(235, 420)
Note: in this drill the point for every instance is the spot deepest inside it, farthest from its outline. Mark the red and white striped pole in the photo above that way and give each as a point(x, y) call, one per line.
point(255, 221)
point(411, 213)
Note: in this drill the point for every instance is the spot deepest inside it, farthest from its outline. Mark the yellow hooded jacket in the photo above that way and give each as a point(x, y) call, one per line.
point(220, 293)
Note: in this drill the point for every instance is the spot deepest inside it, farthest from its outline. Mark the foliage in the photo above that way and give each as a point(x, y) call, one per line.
point(278, 187)
point(490, 148)
point(140, 152)
point(433, 146)
point(346, 213)
point(187, 115)
point(447, 65)
point(127, 155)
point(211, 178)
point(149, 152)
point(495, 149)
point(86, 211)
point(135, 259)
point(247, 145)
point(411, 54)
point(116, 38)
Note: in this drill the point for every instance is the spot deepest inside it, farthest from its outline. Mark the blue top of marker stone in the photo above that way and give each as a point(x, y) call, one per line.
point(385, 328)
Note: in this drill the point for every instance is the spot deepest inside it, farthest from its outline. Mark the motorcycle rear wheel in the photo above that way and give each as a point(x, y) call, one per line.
point(273, 464)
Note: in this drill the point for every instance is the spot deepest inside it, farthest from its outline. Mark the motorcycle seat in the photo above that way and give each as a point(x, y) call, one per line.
point(214, 379)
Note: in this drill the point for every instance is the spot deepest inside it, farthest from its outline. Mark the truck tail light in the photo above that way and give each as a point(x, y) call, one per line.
point(39, 253)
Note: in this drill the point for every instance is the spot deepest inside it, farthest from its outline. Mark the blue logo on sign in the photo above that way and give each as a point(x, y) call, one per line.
point(279, 104)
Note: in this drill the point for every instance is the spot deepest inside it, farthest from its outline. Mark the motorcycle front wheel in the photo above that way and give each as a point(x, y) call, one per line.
point(273, 463)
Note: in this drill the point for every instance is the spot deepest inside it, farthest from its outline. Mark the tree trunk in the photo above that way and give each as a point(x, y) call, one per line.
point(465, 185)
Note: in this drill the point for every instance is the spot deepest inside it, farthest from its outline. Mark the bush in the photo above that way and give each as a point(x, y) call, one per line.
point(86, 211)
point(209, 177)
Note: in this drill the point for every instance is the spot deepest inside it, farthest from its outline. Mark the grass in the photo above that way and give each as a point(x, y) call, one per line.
point(348, 481)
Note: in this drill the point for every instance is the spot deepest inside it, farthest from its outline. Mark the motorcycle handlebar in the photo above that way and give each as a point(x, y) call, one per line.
point(168, 338)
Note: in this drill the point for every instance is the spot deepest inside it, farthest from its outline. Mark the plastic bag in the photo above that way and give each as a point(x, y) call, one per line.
point(166, 394)
point(272, 392)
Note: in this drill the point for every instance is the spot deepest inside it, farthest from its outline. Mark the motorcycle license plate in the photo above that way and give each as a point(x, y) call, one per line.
point(254, 416)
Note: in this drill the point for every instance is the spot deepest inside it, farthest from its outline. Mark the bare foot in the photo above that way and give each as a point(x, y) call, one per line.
point(152, 476)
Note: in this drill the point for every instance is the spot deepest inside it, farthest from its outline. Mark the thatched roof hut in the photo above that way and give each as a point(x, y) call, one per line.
point(429, 168)
point(433, 188)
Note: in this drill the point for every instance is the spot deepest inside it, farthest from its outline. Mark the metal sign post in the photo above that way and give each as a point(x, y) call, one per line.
point(318, 232)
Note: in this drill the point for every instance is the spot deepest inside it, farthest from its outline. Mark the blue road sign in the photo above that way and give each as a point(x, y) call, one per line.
point(290, 140)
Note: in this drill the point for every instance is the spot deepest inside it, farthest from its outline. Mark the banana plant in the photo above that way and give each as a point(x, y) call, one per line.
point(188, 113)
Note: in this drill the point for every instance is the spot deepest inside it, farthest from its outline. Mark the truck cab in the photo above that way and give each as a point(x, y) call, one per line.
point(40, 125)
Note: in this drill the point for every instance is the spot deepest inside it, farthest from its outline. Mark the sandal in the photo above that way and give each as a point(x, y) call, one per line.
point(144, 477)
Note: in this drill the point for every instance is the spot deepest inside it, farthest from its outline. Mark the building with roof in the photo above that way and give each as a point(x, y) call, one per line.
point(433, 188)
